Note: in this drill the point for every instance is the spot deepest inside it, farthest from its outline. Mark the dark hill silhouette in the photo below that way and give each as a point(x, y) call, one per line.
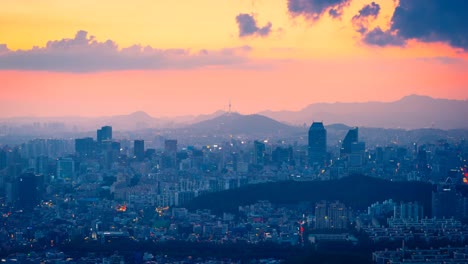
point(356, 191)
point(410, 112)
point(234, 123)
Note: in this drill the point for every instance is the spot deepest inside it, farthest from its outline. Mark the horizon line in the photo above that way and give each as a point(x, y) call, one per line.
point(225, 111)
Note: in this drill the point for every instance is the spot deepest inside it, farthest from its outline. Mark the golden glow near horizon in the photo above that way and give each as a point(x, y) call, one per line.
point(317, 61)
point(205, 24)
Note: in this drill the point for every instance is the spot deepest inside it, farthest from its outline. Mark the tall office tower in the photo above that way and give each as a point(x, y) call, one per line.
point(259, 153)
point(317, 144)
point(139, 149)
point(170, 146)
point(28, 190)
point(3, 159)
point(331, 215)
point(351, 138)
point(321, 215)
point(170, 154)
point(42, 165)
point(65, 169)
point(84, 147)
point(338, 215)
point(105, 133)
point(445, 201)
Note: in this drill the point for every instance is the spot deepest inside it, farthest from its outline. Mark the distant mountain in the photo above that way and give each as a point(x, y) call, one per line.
point(234, 123)
point(135, 121)
point(410, 112)
point(192, 119)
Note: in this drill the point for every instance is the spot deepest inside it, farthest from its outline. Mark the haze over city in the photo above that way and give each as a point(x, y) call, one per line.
point(235, 131)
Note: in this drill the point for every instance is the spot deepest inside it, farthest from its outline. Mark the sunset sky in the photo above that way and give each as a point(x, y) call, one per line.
point(170, 58)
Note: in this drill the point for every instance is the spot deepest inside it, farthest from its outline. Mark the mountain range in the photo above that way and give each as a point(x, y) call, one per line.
point(410, 112)
point(235, 123)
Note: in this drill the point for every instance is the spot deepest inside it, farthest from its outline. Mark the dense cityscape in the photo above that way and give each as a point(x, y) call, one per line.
point(127, 200)
point(232, 132)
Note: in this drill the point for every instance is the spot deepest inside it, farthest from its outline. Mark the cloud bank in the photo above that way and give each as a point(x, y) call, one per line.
point(315, 9)
point(426, 21)
point(84, 53)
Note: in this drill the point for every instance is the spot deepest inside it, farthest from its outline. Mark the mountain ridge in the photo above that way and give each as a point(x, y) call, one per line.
point(410, 112)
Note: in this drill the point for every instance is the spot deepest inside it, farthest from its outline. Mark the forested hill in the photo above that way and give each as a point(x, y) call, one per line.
point(355, 191)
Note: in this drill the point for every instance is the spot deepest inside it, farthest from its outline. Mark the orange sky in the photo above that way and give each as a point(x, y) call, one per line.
point(298, 63)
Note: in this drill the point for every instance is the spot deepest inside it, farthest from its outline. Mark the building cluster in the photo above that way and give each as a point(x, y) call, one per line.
point(331, 215)
point(427, 256)
point(55, 191)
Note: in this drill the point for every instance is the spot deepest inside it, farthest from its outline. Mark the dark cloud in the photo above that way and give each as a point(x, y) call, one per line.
point(84, 53)
point(314, 9)
point(431, 21)
point(367, 13)
point(335, 13)
point(371, 9)
point(248, 26)
point(383, 38)
point(435, 20)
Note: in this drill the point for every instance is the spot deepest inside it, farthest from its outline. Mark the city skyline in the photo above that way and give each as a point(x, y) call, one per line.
point(167, 59)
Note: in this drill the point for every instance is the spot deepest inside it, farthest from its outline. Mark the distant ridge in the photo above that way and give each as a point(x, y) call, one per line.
point(127, 122)
point(410, 112)
point(235, 123)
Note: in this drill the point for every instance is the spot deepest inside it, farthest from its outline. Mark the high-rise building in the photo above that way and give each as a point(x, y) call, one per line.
point(65, 168)
point(3, 159)
point(105, 133)
point(28, 190)
point(351, 137)
point(42, 165)
point(339, 215)
point(84, 147)
point(445, 201)
point(317, 147)
point(170, 145)
point(413, 211)
point(321, 215)
point(259, 153)
point(139, 149)
point(352, 151)
point(331, 215)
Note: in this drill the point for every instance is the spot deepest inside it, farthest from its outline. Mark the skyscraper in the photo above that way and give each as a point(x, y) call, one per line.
point(28, 190)
point(259, 153)
point(317, 144)
point(105, 133)
point(338, 214)
point(331, 215)
point(445, 201)
point(351, 137)
point(170, 153)
point(170, 146)
point(84, 146)
point(139, 149)
point(65, 169)
point(321, 215)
